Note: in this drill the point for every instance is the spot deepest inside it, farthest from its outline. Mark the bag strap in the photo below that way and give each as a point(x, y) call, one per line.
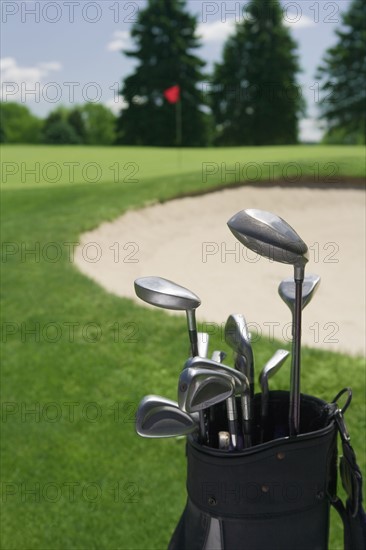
point(352, 514)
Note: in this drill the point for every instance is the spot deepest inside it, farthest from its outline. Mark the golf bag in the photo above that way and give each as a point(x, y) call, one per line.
point(274, 495)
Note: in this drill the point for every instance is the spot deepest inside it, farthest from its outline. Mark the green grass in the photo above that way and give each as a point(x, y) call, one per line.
point(141, 483)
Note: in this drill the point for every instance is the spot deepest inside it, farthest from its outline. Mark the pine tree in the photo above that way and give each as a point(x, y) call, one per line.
point(343, 76)
point(165, 41)
point(255, 97)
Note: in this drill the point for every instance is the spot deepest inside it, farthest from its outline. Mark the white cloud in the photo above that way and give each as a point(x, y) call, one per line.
point(120, 41)
point(216, 31)
point(15, 78)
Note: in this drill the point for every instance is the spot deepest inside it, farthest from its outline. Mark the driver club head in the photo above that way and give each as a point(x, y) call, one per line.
point(270, 236)
point(158, 417)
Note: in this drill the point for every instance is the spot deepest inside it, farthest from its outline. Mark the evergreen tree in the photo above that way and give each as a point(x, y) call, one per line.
point(255, 97)
point(165, 41)
point(343, 76)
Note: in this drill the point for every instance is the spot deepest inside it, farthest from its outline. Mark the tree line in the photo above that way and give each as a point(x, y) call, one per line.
point(252, 96)
point(88, 124)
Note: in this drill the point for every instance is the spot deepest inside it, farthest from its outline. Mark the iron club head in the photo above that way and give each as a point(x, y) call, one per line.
point(200, 388)
point(160, 417)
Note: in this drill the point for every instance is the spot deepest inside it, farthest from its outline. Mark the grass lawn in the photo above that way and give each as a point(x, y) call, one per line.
point(74, 474)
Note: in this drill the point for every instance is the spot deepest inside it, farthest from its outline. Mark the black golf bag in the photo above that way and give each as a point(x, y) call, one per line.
point(274, 495)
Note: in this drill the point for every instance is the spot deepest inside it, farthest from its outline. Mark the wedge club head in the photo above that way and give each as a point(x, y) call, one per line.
point(163, 293)
point(201, 388)
point(160, 417)
point(242, 388)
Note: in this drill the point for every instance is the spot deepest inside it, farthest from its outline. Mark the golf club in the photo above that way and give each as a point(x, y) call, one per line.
point(272, 237)
point(237, 337)
point(159, 417)
point(242, 388)
point(201, 388)
point(270, 368)
point(168, 295)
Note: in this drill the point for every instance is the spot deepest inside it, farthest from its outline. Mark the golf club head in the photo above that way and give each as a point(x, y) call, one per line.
point(287, 290)
point(272, 366)
point(200, 388)
point(240, 380)
point(163, 293)
point(238, 338)
point(270, 236)
point(159, 417)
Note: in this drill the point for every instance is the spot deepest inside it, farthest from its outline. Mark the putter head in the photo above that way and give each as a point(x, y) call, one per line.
point(238, 338)
point(240, 380)
point(271, 367)
point(166, 294)
point(287, 290)
point(159, 417)
point(270, 236)
point(200, 388)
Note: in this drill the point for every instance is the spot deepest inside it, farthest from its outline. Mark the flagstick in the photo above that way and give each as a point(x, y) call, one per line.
point(178, 112)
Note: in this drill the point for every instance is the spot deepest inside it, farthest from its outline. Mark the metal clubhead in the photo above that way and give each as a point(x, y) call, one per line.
point(270, 236)
point(242, 388)
point(238, 338)
point(168, 295)
point(271, 367)
point(287, 290)
point(200, 388)
point(163, 293)
point(159, 417)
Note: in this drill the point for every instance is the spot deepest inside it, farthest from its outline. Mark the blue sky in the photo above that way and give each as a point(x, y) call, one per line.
point(64, 52)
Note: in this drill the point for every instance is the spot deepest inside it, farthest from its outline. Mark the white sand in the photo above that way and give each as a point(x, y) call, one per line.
point(187, 241)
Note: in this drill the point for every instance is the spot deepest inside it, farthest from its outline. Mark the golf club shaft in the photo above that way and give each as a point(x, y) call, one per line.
point(192, 330)
point(247, 420)
point(294, 413)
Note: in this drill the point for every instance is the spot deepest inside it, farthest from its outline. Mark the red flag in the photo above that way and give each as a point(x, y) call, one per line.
point(172, 94)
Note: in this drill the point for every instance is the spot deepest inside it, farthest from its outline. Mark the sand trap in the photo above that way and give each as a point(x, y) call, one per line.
point(187, 241)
